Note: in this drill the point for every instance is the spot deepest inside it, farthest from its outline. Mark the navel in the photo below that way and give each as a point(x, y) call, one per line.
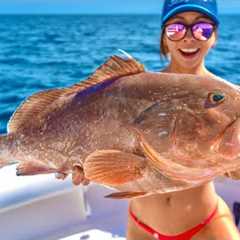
point(169, 200)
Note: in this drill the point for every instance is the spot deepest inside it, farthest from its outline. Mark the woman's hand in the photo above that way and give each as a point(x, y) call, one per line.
point(77, 175)
point(235, 175)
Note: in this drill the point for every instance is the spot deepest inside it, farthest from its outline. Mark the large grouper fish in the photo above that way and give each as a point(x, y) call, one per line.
point(135, 131)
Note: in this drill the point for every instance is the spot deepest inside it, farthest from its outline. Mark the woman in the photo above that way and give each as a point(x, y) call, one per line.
point(188, 33)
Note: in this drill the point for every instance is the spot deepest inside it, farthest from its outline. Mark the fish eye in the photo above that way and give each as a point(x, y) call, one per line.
point(216, 97)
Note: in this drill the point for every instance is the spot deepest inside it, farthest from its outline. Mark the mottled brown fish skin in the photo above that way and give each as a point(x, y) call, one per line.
point(184, 130)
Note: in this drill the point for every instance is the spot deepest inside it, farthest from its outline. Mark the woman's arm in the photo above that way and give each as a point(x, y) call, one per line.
point(222, 227)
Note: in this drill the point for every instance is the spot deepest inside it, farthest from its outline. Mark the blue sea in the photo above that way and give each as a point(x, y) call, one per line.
point(39, 52)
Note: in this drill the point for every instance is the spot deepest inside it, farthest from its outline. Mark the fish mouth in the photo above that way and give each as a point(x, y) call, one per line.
point(227, 143)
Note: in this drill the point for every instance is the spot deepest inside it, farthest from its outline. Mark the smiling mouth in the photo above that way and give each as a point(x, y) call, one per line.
point(189, 52)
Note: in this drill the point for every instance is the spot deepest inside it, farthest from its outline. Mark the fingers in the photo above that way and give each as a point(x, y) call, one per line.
point(78, 176)
point(60, 175)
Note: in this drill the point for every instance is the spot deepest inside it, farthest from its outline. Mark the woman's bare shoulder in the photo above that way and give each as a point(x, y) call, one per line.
point(212, 75)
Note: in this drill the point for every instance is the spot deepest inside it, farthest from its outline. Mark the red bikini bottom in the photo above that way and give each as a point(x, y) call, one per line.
point(182, 236)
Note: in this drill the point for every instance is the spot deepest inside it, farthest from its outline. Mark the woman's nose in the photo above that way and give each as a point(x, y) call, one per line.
point(189, 36)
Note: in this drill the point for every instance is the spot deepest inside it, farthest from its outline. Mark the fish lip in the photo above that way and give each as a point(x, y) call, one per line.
point(218, 139)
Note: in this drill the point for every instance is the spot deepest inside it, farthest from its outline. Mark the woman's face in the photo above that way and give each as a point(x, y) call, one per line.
point(188, 52)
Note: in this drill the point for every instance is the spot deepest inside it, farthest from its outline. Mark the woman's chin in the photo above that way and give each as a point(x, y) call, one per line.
point(189, 64)
point(189, 60)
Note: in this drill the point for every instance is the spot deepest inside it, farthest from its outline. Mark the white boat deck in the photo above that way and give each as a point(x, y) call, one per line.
point(93, 235)
point(44, 208)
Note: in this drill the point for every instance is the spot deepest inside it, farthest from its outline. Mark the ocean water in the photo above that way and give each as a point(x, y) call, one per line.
point(39, 52)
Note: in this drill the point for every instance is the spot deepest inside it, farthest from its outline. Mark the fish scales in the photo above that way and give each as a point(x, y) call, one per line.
point(136, 131)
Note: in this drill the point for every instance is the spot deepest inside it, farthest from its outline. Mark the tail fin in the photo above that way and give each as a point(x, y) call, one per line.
point(4, 152)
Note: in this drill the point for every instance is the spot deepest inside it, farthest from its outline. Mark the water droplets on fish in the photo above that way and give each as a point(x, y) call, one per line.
point(178, 107)
point(163, 134)
point(162, 114)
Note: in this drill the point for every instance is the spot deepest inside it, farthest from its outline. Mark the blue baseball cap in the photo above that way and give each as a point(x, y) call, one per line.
point(207, 7)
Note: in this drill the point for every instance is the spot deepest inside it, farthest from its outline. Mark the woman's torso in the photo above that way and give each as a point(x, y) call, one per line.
point(174, 213)
point(177, 212)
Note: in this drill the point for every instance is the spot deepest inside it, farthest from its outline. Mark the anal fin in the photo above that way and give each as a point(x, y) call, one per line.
point(123, 195)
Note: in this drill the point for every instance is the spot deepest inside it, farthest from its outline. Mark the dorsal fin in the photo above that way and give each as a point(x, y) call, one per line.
point(29, 111)
point(38, 105)
point(114, 67)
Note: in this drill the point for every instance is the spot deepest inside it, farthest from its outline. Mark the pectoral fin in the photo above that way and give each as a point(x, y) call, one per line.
point(113, 167)
point(123, 195)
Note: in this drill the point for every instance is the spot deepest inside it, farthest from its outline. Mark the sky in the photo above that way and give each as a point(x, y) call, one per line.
point(97, 6)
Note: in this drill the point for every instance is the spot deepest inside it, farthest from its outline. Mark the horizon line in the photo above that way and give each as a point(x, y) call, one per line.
point(114, 13)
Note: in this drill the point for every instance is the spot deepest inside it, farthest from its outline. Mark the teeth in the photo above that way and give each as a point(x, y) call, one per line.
point(189, 50)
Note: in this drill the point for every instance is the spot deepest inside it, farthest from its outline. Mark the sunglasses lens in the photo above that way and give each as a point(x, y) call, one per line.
point(202, 31)
point(175, 31)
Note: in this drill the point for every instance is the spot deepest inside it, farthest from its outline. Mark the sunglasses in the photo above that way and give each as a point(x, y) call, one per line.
point(201, 31)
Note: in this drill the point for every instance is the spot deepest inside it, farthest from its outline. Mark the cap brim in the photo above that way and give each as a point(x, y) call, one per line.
point(187, 8)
